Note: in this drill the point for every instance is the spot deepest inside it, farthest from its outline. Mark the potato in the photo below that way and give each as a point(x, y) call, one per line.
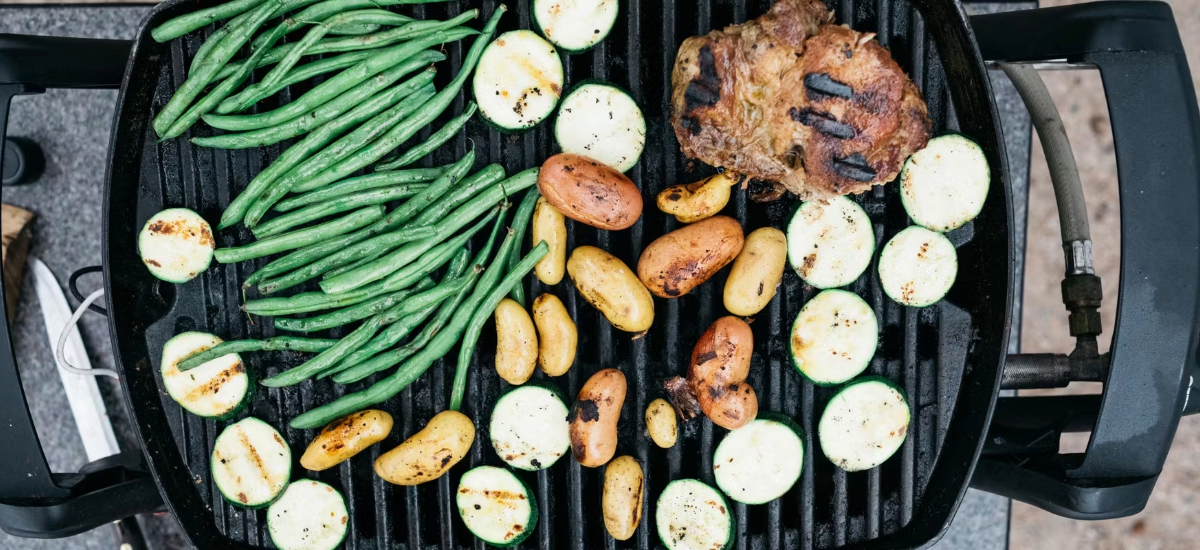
point(695, 201)
point(756, 272)
point(558, 336)
point(430, 452)
point(661, 423)
point(624, 484)
point(549, 225)
point(679, 261)
point(609, 285)
point(720, 364)
point(346, 437)
point(589, 191)
point(516, 343)
point(594, 418)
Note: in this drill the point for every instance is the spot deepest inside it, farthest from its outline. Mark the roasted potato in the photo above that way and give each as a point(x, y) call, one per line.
point(679, 261)
point(557, 335)
point(661, 423)
point(594, 418)
point(589, 191)
point(609, 285)
point(695, 201)
point(756, 272)
point(549, 225)
point(621, 503)
point(516, 343)
point(720, 365)
point(430, 452)
point(346, 437)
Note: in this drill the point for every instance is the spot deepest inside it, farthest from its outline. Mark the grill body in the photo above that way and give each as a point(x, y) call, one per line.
point(947, 357)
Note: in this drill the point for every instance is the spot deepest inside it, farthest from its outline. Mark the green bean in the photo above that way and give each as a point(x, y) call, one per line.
point(407, 253)
point(340, 148)
point(179, 26)
point(207, 69)
point(403, 327)
point(359, 184)
point(360, 336)
point(301, 150)
point(416, 365)
point(388, 223)
point(327, 8)
point(409, 31)
point(410, 126)
point(349, 370)
point(352, 313)
point(369, 90)
point(520, 224)
point(302, 216)
point(279, 71)
point(299, 74)
point(292, 343)
point(333, 87)
point(305, 273)
point(296, 239)
point(301, 303)
point(435, 140)
point(355, 29)
point(214, 39)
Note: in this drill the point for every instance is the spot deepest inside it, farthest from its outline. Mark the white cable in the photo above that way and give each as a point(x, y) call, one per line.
point(66, 331)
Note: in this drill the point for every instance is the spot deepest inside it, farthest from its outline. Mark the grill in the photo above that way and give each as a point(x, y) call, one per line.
point(924, 350)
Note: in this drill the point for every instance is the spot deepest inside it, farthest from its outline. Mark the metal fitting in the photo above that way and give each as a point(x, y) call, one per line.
point(1079, 258)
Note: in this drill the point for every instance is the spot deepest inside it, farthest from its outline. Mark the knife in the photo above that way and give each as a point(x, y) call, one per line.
point(83, 395)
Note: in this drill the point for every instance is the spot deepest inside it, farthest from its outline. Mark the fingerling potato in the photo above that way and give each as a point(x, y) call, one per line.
point(609, 285)
point(558, 336)
point(661, 423)
point(621, 503)
point(594, 418)
point(551, 226)
point(756, 272)
point(516, 343)
point(589, 191)
point(719, 367)
point(346, 437)
point(695, 201)
point(679, 261)
point(430, 452)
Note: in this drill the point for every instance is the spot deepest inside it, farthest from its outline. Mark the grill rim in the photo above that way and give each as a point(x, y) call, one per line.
point(972, 410)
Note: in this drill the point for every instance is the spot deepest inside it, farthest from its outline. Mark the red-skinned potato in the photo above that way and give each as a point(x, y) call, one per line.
point(594, 418)
point(720, 365)
point(679, 261)
point(589, 191)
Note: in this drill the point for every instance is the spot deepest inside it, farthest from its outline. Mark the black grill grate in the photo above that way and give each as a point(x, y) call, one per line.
point(924, 350)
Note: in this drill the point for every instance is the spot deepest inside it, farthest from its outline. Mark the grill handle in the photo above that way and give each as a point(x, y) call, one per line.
point(1156, 131)
point(34, 502)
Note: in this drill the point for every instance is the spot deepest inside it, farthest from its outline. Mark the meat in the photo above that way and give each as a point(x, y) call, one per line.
point(791, 98)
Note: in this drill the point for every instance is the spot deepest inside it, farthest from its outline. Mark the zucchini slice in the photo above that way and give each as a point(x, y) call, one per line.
point(830, 245)
point(690, 515)
point(251, 463)
point(834, 337)
point(309, 516)
point(529, 427)
point(864, 424)
point(216, 389)
point(518, 81)
point(917, 267)
point(760, 461)
point(176, 245)
point(944, 185)
point(575, 25)
point(601, 121)
point(496, 506)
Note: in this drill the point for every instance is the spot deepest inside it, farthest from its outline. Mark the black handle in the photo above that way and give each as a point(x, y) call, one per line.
point(72, 284)
point(30, 64)
point(1156, 130)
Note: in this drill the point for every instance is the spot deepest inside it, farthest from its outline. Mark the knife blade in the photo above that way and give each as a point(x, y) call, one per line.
point(91, 416)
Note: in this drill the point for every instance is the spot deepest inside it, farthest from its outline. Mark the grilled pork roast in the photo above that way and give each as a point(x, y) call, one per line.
point(790, 98)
